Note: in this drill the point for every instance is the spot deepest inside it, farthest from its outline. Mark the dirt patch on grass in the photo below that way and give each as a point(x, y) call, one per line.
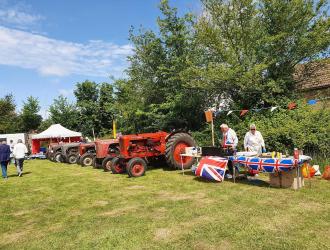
point(224, 245)
point(76, 213)
point(173, 196)
point(135, 187)
point(13, 237)
point(22, 212)
point(77, 174)
point(162, 234)
point(55, 227)
point(311, 206)
point(180, 229)
point(119, 211)
point(100, 203)
point(159, 213)
point(277, 223)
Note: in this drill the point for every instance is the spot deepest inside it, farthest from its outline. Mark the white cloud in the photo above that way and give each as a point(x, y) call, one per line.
point(15, 17)
point(18, 15)
point(61, 58)
point(66, 92)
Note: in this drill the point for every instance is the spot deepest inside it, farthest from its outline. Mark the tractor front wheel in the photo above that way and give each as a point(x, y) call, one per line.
point(72, 159)
point(58, 157)
point(117, 166)
point(136, 167)
point(86, 160)
point(106, 164)
point(176, 146)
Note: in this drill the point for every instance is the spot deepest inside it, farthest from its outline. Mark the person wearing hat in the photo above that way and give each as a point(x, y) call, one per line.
point(253, 141)
point(19, 153)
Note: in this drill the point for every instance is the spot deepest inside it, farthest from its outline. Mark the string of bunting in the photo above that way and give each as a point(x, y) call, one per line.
point(243, 112)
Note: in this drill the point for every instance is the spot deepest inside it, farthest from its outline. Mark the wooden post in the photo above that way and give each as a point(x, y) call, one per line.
point(209, 118)
point(212, 128)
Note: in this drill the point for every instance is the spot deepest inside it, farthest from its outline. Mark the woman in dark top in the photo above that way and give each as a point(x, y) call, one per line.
point(4, 158)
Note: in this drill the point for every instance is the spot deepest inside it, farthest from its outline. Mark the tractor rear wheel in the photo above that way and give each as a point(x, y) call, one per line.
point(175, 146)
point(106, 163)
point(86, 160)
point(136, 167)
point(58, 157)
point(117, 166)
point(72, 158)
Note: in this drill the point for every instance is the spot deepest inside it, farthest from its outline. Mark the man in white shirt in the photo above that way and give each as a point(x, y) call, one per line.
point(229, 137)
point(19, 153)
point(229, 144)
point(253, 141)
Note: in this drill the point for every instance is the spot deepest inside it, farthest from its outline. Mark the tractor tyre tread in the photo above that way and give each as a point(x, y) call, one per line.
point(170, 145)
point(115, 161)
point(106, 167)
point(83, 157)
point(132, 162)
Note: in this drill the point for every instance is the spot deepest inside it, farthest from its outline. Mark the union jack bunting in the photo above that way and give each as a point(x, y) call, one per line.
point(268, 165)
point(212, 168)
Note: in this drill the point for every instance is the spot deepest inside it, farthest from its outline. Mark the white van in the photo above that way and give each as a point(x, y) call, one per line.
point(13, 138)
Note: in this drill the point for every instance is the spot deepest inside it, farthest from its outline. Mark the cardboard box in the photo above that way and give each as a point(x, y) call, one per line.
point(286, 179)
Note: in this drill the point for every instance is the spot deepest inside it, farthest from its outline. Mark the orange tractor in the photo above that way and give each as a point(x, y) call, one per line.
point(137, 150)
point(105, 150)
point(87, 153)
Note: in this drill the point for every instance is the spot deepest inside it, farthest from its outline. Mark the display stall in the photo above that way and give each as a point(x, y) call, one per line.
point(282, 170)
point(54, 134)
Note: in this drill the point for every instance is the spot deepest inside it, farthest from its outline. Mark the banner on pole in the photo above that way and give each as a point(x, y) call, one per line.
point(209, 116)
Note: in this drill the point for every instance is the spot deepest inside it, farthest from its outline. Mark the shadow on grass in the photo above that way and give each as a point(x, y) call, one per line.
point(239, 180)
point(257, 182)
point(16, 175)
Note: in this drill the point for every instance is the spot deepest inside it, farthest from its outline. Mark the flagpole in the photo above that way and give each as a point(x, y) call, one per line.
point(212, 128)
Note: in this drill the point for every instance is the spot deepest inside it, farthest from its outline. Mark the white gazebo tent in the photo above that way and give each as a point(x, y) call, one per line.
point(54, 133)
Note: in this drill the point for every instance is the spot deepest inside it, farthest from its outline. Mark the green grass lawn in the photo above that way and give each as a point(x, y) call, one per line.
point(59, 206)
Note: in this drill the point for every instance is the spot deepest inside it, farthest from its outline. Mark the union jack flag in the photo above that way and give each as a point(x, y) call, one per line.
point(212, 168)
point(268, 165)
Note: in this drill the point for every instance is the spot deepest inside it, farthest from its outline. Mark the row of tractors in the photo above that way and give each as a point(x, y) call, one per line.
point(130, 153)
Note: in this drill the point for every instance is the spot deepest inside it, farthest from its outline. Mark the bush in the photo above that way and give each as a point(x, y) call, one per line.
point(283, 129)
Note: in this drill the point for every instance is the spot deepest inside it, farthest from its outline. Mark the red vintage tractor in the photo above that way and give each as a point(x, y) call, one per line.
point(105, 149)
point(86, 154)
point(138, 149)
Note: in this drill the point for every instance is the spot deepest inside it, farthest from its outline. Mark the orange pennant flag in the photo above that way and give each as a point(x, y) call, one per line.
point(243, 112)
point(292, 105)
point(209, 116)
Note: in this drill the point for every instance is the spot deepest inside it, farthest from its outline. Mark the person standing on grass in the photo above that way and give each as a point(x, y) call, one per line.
point(253, 141)
point(19, 153)
point(229, 144)
point(4, 158)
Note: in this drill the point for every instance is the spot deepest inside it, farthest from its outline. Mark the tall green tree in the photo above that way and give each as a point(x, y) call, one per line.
point(87, 95)
point(107, 110)
point(30, 119)
point(8, 115)
point(162, 100)
point(248, 49)
point(64, 113)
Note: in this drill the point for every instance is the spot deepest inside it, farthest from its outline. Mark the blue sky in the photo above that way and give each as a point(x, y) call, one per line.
point(48, 46)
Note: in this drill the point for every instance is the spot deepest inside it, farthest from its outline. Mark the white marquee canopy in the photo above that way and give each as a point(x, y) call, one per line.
point(56, 131)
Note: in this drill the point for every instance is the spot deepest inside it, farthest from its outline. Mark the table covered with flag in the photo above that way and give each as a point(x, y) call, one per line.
point(214, 168)
point(267, 165)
